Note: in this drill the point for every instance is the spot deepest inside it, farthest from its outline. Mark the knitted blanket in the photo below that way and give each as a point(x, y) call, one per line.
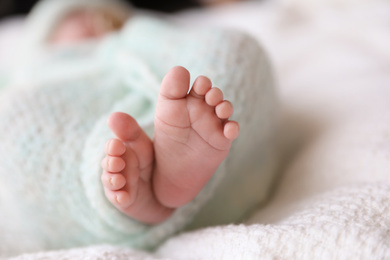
point(53, 113)
point(332, 199)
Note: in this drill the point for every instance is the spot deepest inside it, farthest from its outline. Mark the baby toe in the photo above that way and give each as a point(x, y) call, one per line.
point(113, 164)
point(120, 198)
point(224, 110)
point(214, 96)
point(113, 181)
point(175, 84)
point(231, 130)
point(115, 147)
point(201, 86)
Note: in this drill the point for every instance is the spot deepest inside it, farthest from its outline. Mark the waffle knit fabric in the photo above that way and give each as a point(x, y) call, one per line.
point(53, 115)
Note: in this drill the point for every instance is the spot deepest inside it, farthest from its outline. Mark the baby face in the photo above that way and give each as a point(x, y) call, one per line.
point(85, 24)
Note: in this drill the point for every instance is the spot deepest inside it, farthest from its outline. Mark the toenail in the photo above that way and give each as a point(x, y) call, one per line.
point(112, 184)
point(117, 199)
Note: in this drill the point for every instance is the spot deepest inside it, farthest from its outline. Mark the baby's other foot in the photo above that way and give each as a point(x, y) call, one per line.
point(192, 136)
point(127, 171)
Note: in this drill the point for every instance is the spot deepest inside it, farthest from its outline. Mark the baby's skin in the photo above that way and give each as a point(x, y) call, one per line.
point(84, 24)
point(147, 180)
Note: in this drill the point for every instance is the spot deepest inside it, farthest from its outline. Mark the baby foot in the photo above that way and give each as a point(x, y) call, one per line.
point(192, 136)
point(127, 171)
point(146, 180)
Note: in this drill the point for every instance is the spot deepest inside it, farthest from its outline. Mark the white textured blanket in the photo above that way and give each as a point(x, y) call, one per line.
point(332, 201)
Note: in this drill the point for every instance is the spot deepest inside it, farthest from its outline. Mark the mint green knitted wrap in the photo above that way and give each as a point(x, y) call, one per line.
point(53, 115)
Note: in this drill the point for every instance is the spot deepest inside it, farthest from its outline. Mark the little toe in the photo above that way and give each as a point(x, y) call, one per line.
point(231, 130)
point(214, 96)
point(175, 84)
point(224, 110)
point(120, 199)
point(113, 181)
point(115, 147)
point(201, 86)
point(113, 164)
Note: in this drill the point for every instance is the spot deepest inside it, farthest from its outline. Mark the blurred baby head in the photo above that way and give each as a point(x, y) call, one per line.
point(85, 23)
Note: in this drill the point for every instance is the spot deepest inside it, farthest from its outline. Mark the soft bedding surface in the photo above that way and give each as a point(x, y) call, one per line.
point(332, 62)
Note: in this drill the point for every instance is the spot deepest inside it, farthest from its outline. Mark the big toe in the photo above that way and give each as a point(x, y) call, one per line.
point(175, 84)
point(124, 126)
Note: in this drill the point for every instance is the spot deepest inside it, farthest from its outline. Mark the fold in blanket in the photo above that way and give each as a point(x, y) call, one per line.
point(347, 223)
point(53, 116)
